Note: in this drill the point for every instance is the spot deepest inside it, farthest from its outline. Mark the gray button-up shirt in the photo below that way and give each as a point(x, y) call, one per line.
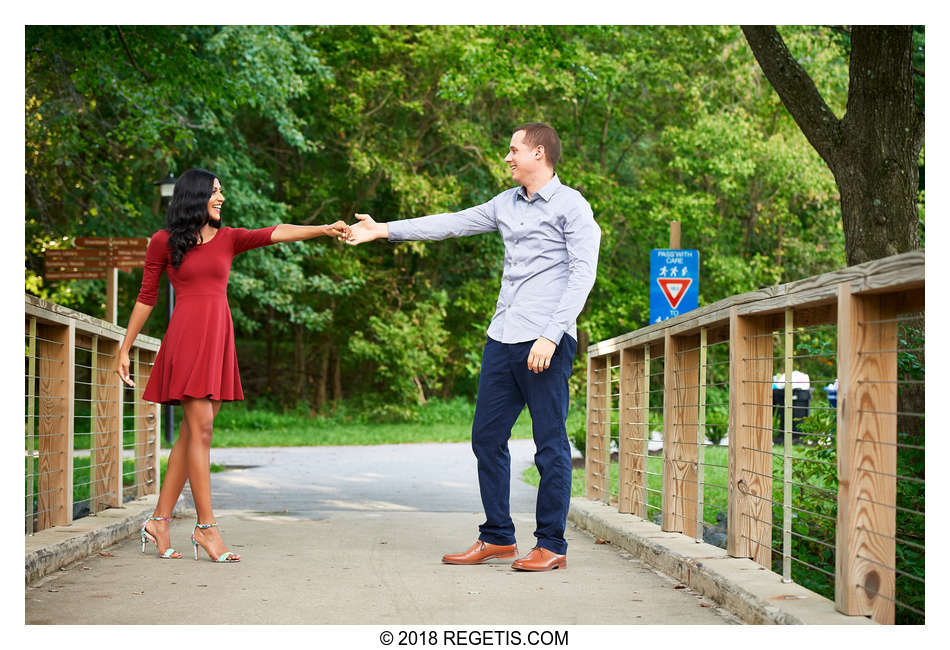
point(551, 245)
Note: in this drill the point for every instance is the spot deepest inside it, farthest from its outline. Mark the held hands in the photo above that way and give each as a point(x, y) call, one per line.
point(366, 229)
point(339, 230)
point(123, 369)
point(539, 358)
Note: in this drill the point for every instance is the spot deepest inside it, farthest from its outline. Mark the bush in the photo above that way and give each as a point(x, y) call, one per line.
point(578, 437)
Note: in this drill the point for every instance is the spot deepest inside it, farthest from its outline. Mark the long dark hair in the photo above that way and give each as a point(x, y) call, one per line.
point(188, 212)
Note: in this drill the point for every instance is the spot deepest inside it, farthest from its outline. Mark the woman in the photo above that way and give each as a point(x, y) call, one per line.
point(196, 365)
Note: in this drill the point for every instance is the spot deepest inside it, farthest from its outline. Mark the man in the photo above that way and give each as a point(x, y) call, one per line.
point(551, 245)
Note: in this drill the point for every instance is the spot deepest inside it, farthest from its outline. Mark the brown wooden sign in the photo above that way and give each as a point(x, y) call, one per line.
point(80, 263)
point(130, 242)
point(75, 275)
point(75, 254)
point(123, 253)
point(138, 252)
point(121, 261)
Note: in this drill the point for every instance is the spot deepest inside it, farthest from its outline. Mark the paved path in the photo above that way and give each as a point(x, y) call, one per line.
point(354, 535)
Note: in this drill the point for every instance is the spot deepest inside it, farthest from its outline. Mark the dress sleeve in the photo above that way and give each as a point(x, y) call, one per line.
point(156, 258)
point(244, 240)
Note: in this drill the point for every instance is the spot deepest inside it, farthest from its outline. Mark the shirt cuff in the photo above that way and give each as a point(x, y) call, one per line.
point(553, 333)
point(395, 231)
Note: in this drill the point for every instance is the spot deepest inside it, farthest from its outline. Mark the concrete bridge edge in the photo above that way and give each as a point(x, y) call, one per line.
point(53, 548)
point(753, 593)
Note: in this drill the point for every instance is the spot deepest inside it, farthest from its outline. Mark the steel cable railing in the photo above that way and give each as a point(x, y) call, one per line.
point(839, 353)
point(88, 443)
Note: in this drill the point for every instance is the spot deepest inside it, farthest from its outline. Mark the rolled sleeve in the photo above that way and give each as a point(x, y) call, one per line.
point(582, 238)
point(471, 221)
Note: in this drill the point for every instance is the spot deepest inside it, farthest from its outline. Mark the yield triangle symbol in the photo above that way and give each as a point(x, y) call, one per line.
point(674, 289)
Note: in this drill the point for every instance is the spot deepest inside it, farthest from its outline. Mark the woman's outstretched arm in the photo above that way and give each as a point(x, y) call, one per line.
point(287, 232)
point(140, 314)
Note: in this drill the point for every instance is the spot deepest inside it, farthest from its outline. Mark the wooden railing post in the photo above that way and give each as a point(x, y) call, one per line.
point(634, 433)
point(701, 434)
point(31, 393)
point(107, 440)
point(680, 421)
point(598, 429)
point(750, 438)
point(56, 355)
point(94, 438)
point(867, 455)
point(147, 428)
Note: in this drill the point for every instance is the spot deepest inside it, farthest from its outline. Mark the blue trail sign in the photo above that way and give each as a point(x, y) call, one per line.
point(674, 282)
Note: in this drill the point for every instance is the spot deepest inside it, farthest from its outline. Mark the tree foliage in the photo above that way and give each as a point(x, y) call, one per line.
point(312, 124)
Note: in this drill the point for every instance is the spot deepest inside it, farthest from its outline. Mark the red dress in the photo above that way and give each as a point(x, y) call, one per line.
point(197, 356)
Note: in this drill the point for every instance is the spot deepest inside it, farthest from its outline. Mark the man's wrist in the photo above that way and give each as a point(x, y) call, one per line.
point(553, 334)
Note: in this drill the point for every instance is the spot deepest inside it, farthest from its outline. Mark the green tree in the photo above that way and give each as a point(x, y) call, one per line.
point(312, 124)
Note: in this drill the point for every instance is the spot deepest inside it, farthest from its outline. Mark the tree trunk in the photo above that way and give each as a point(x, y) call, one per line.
point(270, 349)
point(580, 358)
point(320, 388)
point(882, 222)
point(876, 170)
point(422, 394)
point(337, 381)
point(872, 151)
point(301, 359)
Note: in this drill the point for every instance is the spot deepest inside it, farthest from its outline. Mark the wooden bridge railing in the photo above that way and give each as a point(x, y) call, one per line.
point(91, 442)
point(648, 392)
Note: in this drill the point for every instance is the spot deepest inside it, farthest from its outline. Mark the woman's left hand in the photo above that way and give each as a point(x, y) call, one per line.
point(338, 230)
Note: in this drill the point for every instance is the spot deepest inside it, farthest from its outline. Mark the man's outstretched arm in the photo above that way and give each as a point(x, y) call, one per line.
point(471, 221)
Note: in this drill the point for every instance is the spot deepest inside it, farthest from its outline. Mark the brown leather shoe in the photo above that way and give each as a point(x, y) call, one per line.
point(481, 551)
point(540, 559)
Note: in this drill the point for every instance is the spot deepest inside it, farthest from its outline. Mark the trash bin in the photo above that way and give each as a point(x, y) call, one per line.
point(801, 398)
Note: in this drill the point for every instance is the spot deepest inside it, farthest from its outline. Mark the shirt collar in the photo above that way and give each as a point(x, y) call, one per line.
point(545, 192)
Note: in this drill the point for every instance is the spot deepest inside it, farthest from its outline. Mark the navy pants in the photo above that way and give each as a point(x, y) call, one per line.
point(504, 387)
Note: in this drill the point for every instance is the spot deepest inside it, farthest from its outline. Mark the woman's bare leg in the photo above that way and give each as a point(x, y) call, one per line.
point(174, 481)
point(176, 473)
point(199, 416)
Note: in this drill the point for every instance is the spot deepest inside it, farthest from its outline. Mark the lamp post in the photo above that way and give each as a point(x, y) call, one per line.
point(167, 187)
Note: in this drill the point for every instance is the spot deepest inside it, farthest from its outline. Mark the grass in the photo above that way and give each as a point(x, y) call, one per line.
point(81, 476)
point(438, 421)
point(715, 498)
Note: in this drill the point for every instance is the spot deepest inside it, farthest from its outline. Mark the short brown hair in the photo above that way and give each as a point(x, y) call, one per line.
point(538, 133)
